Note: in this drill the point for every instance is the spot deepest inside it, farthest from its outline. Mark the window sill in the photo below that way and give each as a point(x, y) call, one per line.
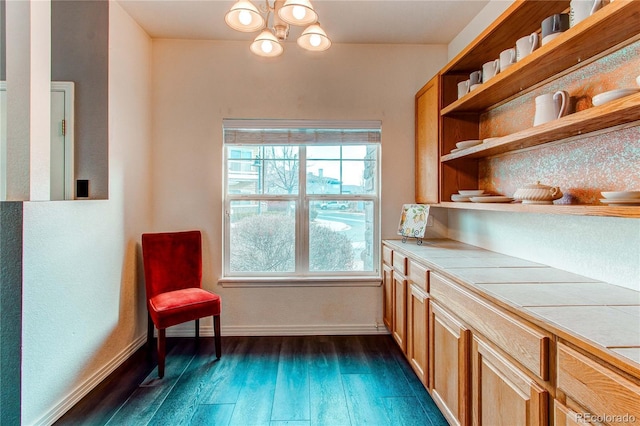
point(300, 282)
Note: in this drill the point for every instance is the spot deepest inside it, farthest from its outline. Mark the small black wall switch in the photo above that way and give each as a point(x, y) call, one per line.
point(82, 188)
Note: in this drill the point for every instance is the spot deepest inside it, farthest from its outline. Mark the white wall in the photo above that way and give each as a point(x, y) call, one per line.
point(198, 83)
point(83, 298)
point(478, 24)
point(603, 248)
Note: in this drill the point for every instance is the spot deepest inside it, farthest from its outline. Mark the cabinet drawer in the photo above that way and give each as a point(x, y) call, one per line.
point(400, 263)
point(602, 391)
point(387, 255)
point(526, 344)
point(418, 274)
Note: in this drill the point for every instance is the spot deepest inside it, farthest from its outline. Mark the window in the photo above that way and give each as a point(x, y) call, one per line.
point(301, 199)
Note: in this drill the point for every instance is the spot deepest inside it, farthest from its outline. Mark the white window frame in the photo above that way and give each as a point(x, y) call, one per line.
point(302, 276)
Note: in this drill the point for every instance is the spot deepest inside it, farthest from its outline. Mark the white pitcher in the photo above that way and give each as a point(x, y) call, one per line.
point(551, 106)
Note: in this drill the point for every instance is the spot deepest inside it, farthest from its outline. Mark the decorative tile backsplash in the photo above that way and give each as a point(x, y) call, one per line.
point(584, 166)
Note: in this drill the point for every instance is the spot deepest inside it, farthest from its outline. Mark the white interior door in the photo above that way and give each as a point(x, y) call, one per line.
point(3, 141)
point(62, 166)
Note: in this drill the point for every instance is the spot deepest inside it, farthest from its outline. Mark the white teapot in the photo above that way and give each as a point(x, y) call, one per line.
point(537, 193)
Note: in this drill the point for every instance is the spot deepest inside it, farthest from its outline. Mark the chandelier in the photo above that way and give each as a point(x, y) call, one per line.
point(244, 16)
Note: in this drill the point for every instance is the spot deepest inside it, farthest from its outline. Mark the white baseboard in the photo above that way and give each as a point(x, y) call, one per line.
point(281, 330)
point(87, 386)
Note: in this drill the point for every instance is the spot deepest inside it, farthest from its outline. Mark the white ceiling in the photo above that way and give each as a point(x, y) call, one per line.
point(345, 21)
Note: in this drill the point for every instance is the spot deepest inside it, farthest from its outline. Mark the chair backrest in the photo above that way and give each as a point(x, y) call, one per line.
point(172, 261)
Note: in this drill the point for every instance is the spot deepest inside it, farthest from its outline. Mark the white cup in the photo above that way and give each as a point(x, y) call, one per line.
point(507, 58)
point(475, 78)
point(526, 45)
point(551, 106)
point(463, 88)
point(582, 9)
point(490, 69)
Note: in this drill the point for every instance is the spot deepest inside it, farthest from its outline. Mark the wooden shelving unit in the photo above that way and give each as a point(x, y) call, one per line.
point(615, 113)
point(615, 24)
point(580, 210)
point(611, 28)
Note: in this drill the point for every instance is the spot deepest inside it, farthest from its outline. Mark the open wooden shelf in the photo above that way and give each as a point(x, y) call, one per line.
point(615, 113)
point(564, 209)
point(616, 23)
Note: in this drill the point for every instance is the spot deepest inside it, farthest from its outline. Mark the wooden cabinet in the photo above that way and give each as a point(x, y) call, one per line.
point(387, 296)
point(501, 394)
point(427, 135)
point(596, 392)
point(487, 363)
point(417, 324)
point(399, 323)
point(449, 344)
point(610, 29)
point(563, 416)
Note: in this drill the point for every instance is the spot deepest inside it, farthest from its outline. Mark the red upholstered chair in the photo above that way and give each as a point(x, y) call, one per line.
point(173, 279)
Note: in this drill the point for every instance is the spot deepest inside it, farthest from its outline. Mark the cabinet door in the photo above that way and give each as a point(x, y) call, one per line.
point(417, 325)
point(563, 416)
point(449, 342)
point(502, 394)
point(387, 296)
point(427, 154)
point(400, 311)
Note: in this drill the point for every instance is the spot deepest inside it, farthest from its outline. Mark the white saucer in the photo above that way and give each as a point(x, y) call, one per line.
point(468, 144)
point(621, 202)
point(621, 195)
point(489, 140)
point(492, 199)
point(459, 198)
point(611, 95)
point(638, 80)
point(454, 150)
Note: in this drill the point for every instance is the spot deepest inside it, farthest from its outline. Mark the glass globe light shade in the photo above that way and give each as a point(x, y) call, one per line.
point(298, 12)
point(244, 16)
point(267, 45)
point(314, 38)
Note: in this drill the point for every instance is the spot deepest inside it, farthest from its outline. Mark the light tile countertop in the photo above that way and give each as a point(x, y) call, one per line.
point(605, 316)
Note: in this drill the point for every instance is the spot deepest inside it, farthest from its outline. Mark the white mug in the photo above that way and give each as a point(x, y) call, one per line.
point(475, 78)
point(551, 106)
point(490, 69)
point(507, 58)
point(582, 9)
point(463, 88)
point(526, 45)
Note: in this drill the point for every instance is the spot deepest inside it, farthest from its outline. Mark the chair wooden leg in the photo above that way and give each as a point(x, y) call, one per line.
point(149, 330)
point(216, 331)
point(161, 351)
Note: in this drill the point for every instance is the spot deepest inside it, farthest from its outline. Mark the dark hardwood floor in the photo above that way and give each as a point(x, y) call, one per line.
point(294, 380)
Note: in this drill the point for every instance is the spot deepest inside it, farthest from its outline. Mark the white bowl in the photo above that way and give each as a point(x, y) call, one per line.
point(621, 195)
point(471, 192)
point(468, 144)
point(612, 95)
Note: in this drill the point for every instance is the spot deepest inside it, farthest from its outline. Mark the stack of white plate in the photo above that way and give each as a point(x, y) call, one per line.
point(621, 198)
point(465, 195)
